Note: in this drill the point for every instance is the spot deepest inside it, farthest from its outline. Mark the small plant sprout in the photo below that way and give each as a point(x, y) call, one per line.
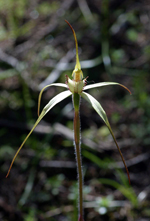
point(76, 87)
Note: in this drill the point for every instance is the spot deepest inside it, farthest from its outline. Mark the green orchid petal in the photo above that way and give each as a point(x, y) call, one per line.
point(96, 105)
point(55, 100)
point(45, 110)
point(41, 92)
point(98, 108)
point(104, 84)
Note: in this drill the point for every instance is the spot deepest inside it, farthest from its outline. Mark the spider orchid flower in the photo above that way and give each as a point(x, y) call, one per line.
point(76, 87)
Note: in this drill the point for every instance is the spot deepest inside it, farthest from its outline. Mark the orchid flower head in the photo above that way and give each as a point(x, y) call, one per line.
point(76, 86)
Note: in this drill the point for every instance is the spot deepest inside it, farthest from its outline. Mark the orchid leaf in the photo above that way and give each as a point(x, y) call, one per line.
point(41, 92)
point(98, 108)
point(45, 110)
point(104, 84)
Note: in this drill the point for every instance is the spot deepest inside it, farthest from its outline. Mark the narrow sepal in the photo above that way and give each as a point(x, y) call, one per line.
point(47, 108)
point(78, 66)
point(96, 105)
point(98, 108)
point(41, 92)
point(104, 84)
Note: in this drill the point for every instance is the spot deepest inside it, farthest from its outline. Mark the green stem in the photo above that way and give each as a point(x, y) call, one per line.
point(76, 101)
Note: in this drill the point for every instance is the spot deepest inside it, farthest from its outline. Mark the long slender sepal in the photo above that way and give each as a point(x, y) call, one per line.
point(36, 123)
point(47, 108)
point(41, 92)
point(98, 108)
point(104, 84)
point(96, 105)
point(78, 66)
point(109, 127)
point(77, 72)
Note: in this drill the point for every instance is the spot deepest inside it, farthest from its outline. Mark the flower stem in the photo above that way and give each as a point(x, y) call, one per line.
point(76, 101)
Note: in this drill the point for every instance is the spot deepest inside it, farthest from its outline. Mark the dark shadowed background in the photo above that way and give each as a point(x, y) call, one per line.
point(37, 48)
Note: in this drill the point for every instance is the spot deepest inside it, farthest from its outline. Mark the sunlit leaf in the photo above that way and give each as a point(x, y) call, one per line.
point(126, 191)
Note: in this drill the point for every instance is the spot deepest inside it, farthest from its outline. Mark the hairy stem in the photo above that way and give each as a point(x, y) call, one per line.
point(76, 101)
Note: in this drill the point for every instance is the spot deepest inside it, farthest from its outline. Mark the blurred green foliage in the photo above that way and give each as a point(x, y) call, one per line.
point(33, 39)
